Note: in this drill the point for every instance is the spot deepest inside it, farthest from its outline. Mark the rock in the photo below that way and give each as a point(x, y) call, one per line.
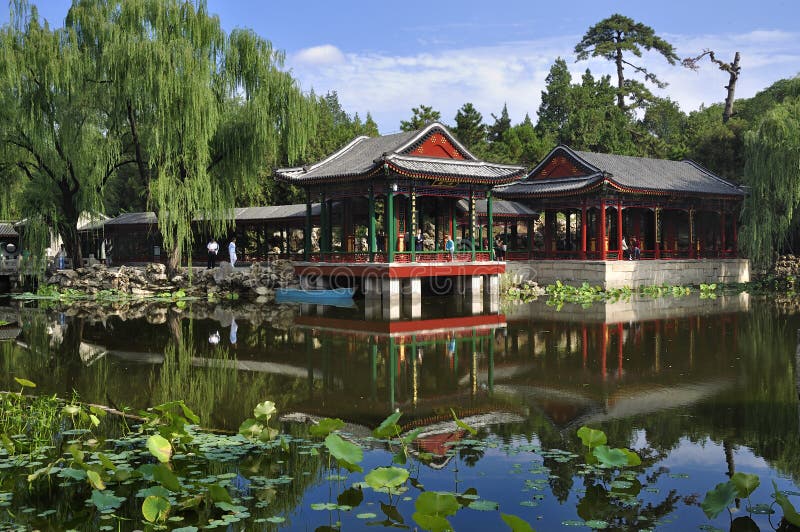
point(263, 290)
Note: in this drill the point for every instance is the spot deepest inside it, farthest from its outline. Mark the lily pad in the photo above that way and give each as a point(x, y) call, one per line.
point(592, 438)
point(325, 427)
point(436, 503)
point(745, 483)
point(347, 454)
point(386, 478)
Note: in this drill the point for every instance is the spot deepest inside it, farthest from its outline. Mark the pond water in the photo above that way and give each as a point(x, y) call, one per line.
point(700, 389)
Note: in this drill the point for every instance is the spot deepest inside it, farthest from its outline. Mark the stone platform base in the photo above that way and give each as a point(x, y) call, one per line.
point(621, 273)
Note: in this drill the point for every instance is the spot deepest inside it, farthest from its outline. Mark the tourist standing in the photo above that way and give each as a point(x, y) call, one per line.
point(212, 248)
point(635, 249)
point(232, 251)
point(450, 247)
point(419, 242)
point(625, 251)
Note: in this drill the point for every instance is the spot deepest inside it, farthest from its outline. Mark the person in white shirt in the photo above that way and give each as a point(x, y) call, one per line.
point(212, 248)
point(232, 251)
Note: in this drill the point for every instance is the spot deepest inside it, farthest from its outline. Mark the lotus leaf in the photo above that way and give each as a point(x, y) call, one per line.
point(325, 427)
point(347, 454)
point(592, 438)
point(437, 503)
point(745, 484)
point(718, 499)
point(264, 410)
point(434, 523)
point(388, 427)
point(516, 524)
point(386, 477)
point(155, 509)
point(159, 447)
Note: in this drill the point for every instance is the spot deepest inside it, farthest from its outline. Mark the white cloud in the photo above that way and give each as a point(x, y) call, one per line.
point(514, 72)
point(327, 54)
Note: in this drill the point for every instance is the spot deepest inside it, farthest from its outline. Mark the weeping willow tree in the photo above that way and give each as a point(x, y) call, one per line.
point(772, 171)
point(57, 148)
point(206, 113)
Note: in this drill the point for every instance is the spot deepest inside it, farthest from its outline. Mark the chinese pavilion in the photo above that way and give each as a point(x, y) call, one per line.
point(596, 204)
point(376, 193)
point(674, 209)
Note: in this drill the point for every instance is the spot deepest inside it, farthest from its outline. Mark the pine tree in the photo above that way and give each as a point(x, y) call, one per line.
point(500, 126)
point(421, 117)
point(617, 35)
point(555, 106)
point(469, 129)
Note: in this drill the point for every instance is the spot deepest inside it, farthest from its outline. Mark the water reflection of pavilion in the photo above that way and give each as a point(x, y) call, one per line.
point(622, 359)
point(454, 349)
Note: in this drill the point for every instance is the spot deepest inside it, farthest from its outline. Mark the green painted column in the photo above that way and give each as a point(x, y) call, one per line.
point(310, 362)
point(373, 366)
point(472, 222)
point(323, 224)
point(490, 222)
point(330, 225)
point(392, 371)
point(371, 240)
point(391, 224)
point(307, 230)
point(491, 361)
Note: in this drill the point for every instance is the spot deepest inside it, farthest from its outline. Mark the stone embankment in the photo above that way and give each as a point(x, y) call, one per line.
point(257, 282)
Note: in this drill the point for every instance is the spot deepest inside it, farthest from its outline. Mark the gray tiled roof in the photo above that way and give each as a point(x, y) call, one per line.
point(271, 212)
point(499, 208)
point(364, 155)
point(134, 218)
point(660, 174)
point(547, 186)
point(7, 230)
point(356, 158)
point(626, 172)
point(454, 167)
point(276, 212)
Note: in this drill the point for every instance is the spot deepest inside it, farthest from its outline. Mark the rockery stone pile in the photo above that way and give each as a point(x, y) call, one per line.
point(256, 282)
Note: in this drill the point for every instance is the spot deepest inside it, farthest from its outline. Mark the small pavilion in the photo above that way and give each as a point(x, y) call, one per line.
point(590, 201)
point(376, 193)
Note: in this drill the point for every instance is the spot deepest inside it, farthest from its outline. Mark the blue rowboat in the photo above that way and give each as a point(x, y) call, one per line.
point(334, 296)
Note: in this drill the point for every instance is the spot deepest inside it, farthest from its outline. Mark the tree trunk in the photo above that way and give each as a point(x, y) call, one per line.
point(731, 86)
point(174, 261)
point(620, 80)
point(69, 235)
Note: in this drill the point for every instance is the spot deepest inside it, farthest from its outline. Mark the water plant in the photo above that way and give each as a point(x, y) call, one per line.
point(740, 486)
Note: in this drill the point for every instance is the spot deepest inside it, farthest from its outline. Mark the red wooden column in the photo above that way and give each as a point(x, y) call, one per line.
point(583, 231)
point(602, 239)
point(584, 345)
point(604, 351)
point(735, 243)
point(722, 231)
point(619, 230)
point(692, 246)
point(657, 236)
point(548, 233)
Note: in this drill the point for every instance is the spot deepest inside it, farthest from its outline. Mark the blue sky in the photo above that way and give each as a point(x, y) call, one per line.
point(387, 57)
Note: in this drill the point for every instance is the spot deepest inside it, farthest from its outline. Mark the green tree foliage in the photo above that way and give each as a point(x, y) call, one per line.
point(206, 113)
point(57, 146)
point(501, 125)
point(421, 117)
point(616, 38)
point(470, 129)
point(666, 124)
point(555, 106)
point(772, 171)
